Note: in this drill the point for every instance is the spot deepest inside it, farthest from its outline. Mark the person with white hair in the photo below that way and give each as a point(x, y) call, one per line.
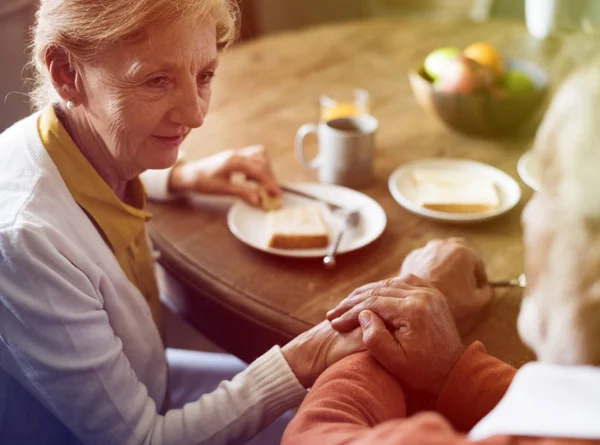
point(415, 353)
point(120, 84)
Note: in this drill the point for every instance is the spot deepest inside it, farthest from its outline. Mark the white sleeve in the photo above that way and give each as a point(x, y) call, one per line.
point(58, 335)
point(156, 182)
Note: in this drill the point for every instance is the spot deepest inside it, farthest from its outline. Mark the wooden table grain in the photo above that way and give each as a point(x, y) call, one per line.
point(246, 300)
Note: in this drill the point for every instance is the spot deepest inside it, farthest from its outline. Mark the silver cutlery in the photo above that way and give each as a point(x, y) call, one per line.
point(351, 220)
point(330, 205)
point(520, 281)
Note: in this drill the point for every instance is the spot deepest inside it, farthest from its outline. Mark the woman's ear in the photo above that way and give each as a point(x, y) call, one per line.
point(64, 77)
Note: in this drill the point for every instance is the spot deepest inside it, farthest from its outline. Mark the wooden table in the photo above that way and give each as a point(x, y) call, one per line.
point(246, 300)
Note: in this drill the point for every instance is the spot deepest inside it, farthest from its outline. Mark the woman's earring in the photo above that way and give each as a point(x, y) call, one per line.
point(70, 104)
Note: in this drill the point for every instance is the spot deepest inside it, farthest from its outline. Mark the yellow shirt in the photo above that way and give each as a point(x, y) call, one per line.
point(122, 226)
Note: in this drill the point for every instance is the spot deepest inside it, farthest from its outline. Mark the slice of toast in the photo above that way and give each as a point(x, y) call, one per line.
point(269, 202)
point(298, 227)
point(455, 192)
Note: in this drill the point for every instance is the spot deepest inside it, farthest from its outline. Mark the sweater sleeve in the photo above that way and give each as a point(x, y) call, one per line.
point(348, 398)
point(156, 182)
point(57, 341)
point(357, 402)
point(474, 387)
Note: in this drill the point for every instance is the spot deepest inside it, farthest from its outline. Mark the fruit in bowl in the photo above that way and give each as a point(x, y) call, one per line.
point(436, 60)
point(477, 91)
point(488, 56)
point(516, 81)
point(463, 75)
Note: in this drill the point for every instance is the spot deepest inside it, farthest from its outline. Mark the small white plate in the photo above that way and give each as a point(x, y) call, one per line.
point(404, 191)
point(528, 170)
point(250, 224)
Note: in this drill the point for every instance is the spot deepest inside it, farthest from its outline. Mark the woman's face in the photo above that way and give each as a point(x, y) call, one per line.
point(143, 98)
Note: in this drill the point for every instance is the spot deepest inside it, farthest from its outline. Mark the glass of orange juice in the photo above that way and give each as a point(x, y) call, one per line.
point(344, 104)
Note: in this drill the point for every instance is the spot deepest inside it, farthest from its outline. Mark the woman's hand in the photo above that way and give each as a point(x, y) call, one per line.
point(412, 334)
point(213, 174)
point(315, 350)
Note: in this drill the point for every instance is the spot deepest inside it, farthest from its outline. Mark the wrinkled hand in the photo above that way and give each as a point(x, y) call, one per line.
point(456, 270)
point(315, 350)
point(411, 332)
point(213, 174)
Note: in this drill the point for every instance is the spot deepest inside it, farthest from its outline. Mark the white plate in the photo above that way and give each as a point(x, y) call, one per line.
point(404, 191)
point(249, 224)
point(528, 170)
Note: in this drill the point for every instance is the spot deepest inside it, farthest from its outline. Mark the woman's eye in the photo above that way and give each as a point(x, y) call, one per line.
point(206, 78)
point(158, 81)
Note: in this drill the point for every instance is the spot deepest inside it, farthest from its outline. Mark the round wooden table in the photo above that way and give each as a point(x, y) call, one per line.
point(246, 300)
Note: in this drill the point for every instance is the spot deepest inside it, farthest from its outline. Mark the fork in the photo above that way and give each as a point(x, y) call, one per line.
point(351, 220)
point(520, 281)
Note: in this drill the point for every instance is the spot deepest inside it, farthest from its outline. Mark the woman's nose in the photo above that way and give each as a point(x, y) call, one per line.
point(188, 107)
point(192, 111)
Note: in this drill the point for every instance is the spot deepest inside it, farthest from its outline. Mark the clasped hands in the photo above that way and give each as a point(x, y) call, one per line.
point(408, 323)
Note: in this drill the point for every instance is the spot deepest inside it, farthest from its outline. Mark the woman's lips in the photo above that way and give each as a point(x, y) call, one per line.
point(171, 141)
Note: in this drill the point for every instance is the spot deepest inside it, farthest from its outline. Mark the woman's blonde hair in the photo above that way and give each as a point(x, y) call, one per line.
point(82, 29)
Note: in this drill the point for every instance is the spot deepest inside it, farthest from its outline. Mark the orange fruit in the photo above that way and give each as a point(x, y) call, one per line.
point(486, 55)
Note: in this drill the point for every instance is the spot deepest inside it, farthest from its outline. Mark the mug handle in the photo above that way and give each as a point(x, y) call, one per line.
point(304, 131)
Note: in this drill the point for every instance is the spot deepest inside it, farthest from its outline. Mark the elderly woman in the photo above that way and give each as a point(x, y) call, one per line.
point(365, 400)
point(120, 85)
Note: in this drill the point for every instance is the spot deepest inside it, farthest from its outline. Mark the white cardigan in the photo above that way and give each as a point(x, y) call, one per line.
point(81, 360)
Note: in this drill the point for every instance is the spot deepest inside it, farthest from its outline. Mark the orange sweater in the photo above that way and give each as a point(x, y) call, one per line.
point(357, 402)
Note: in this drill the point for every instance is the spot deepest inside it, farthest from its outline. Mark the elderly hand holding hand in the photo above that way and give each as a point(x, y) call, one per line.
point(410, 330)
point(408, 322)
point(450, 266)
point(213, 174)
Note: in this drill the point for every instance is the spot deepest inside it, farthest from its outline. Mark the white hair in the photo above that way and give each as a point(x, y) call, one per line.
point(578, 145)
point(560, 320)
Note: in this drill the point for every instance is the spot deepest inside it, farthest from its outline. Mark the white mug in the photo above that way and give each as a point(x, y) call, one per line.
point(346, 149)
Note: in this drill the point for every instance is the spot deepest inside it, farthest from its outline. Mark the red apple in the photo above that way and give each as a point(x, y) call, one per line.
point(463, 75)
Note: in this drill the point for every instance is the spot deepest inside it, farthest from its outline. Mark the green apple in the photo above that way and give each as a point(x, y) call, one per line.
point(436, 60)
point(516, 81)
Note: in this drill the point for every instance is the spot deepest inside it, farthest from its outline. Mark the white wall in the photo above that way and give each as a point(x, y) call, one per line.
point(277, 15)
point(16, 17)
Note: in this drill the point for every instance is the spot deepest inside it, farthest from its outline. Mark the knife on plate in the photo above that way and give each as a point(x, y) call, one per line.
point(293, 191)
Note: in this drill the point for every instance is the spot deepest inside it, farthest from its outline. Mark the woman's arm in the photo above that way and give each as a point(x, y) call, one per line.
point(213, 175)
point(63, 350)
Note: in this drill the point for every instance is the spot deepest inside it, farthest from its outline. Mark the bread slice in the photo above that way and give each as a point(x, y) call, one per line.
point(455, 192)
point(298, 227)
point(267, 201)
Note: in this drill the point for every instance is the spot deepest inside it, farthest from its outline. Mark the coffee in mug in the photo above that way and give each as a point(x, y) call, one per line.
point(346, 149)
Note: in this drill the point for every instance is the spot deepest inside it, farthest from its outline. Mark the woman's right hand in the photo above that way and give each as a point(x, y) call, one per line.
point(213, 174)
point(313, 351)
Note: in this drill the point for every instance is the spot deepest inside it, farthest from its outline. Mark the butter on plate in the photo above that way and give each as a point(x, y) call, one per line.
point(454, 191)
